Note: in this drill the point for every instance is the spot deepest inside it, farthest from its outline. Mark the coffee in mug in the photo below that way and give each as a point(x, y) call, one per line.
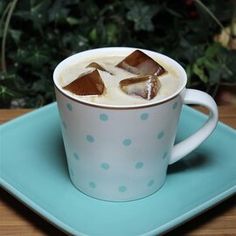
point(119, 110)
point(119, 86)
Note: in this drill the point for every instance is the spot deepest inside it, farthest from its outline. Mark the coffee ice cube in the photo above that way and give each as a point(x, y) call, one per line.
point(87, 84)
point(141, 64)
point(97, 66)
point(143, 86)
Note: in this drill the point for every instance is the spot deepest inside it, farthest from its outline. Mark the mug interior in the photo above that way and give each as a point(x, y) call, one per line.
point(122, 52)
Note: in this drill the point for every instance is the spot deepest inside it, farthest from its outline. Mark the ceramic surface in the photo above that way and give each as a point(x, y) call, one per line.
point(121, 153)
point(33, 168)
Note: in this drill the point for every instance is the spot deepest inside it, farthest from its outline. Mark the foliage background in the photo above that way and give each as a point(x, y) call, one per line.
point(43, 32)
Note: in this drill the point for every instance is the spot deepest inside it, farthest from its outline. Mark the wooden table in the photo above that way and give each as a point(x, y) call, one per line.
point(17, 219)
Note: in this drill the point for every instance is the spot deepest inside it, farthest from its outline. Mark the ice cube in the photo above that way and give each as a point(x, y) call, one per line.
point(87, 84)
point(97, 66)
point(141, 64)
point(143, 86)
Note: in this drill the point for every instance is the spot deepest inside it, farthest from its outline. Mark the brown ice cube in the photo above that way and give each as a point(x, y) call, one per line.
point(143, 86)
point(141, 64)
point(87, 84)
point(97, 66)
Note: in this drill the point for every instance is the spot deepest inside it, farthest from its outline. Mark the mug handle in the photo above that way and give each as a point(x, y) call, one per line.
point(192, 96)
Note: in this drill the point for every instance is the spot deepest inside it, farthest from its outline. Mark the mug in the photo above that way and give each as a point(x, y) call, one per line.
point(121, 153)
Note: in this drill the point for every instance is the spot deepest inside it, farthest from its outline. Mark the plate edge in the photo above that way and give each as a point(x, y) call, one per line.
point(200, 209)
point(38, 209)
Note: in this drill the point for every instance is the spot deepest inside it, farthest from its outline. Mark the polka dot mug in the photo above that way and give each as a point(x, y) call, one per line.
point(121, 153)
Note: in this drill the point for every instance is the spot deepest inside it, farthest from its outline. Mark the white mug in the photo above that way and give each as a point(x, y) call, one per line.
point(121, 153)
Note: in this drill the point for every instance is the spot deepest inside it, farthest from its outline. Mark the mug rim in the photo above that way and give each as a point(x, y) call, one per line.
point(64, 63)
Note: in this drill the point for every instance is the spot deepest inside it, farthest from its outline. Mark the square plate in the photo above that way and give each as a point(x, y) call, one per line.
point(33, 168)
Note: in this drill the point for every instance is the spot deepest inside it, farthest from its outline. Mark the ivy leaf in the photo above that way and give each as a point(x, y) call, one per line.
point(38, 7)
point(37, 58)
point(72, 21)
point(59, 13)
point(142, 15)
point(41, 33)
point(93, 35)
point(5, 93)
point(199, 71)
point(112, 33)
point(15, 34)
point(228, 59)
point(24, 15)
point(215, 75)
point(38, 13)
point(213, 50)
point(34, 57)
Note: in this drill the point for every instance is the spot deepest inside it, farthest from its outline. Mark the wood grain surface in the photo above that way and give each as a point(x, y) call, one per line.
point(17, 219)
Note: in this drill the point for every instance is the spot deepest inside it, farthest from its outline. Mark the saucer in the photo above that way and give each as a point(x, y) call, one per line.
point(33, 169)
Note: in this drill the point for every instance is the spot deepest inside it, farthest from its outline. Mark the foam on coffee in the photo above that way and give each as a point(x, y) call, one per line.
point(111, 76)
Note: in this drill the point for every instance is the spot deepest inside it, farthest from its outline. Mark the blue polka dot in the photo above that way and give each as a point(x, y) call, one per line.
point(144, 116)
point(105, 166)
point(103, 117)
point(122, 189)
point(69, 106)
point(150, 183)
point(174, 105)
point(92, 185)
point(164, 155)
point(161, 135)
point(139, 165)
point(127, 142)
point(76, 156)
point(90, 138)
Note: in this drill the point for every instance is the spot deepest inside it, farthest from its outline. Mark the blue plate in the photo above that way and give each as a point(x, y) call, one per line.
point(33, 169)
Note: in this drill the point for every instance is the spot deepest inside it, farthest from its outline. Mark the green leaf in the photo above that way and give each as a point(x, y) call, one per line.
point(72, 20)
point(15, 34)
point(38, 7)
point(59, 13)
point(213, 50)
point(215, 76)
point(93, 35)
point(142, 15)
point(112, 33)
point(5, 92)
point(200, 73)
point(41, 33)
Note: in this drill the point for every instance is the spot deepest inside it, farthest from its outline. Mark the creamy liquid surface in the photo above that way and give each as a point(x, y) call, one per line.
point(113, 95)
